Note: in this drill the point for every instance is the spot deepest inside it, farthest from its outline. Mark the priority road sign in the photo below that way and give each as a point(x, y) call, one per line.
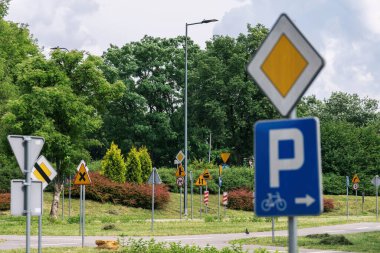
point(82, 177)
point(180, 156)
point(43, 171)
point(285, 65)
point(17, 143)
point(288, 168)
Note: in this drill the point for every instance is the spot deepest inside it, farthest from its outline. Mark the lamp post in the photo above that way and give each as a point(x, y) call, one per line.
point(204, 21)
point(60, 48)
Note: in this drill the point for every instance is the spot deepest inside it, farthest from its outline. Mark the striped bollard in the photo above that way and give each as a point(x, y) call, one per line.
point(225, 202)
point(205, 200)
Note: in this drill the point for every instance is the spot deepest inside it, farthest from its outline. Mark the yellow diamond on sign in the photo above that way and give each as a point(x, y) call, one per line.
point(180, 156)
point(284, 65)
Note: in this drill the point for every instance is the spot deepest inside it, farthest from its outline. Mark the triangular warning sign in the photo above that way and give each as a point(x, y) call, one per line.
point(225, 157)
point(355, 179)
point(201, 181)
point(207, 175)
point(82, 177)
point(180, 172)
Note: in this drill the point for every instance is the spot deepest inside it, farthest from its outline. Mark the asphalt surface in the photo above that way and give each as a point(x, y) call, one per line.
point(216, 240)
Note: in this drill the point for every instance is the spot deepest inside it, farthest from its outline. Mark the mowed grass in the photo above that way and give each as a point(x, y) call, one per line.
point(362, 242)
point(137, 221)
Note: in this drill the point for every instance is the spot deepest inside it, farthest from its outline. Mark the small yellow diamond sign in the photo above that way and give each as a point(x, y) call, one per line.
point(180, 156)
point(285, 65)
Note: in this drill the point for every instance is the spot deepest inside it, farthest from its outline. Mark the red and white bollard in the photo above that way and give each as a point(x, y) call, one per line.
point(225, 202)
point(205, 200)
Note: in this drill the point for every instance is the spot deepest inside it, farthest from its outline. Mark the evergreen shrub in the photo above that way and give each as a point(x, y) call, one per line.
point(104, 190)
point(113, 165)
point(146, 163)
point(133, 172)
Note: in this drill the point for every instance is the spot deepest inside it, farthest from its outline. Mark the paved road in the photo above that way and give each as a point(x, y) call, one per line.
point(217, 240)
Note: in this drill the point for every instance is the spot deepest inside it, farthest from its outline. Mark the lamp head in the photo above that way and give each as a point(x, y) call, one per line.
point(205, 21)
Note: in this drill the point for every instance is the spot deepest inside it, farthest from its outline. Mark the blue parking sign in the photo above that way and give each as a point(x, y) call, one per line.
point(288, 168)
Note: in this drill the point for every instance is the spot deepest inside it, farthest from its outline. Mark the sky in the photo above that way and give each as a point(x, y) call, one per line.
point(346, 33)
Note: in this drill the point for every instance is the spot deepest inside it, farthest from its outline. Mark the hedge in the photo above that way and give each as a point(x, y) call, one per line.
point(129, 194)
point(5, 201)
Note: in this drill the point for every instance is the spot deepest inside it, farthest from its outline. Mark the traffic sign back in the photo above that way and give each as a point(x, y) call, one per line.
point(82, 177)
point(154, 178)
point(18, 144)
point(285, 65)
point(288, 168)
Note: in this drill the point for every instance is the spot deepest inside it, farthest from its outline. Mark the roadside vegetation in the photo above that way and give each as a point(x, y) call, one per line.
point(357, 242)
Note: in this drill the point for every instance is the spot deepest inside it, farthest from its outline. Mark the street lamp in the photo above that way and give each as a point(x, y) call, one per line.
point(204, 21)
point(60, 48)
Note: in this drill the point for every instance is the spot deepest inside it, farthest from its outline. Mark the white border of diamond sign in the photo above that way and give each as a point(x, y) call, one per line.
point(315, 63)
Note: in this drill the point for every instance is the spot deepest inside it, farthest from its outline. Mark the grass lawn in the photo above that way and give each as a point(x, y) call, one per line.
point(136, 221)
point(361, 242)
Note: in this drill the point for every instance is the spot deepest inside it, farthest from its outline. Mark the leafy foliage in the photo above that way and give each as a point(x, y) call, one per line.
point(240, 199)
point(133, 167)
point(5, 201)
point(113, 165)
point(104, 190)
point(328, 205)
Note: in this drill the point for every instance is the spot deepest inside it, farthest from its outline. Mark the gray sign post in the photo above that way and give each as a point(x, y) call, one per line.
point(26, 149)
point(347, 185)
point(153, 179)
point(376, 182)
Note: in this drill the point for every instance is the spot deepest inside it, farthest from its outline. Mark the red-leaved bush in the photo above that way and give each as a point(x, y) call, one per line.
point(240, 199)
point(328, 205)
point(5, 201)
point(103, 190)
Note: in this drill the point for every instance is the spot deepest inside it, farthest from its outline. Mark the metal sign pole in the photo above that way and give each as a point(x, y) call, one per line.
point(84, 214)
point(219, 201)
point(191, 187)
point(180, 204)
point(39, 233)
point(200, 201)
point(80, 210)
point(154, 181)
point(377, 195)
point(356, 194)
point(63, 198)
point(27, 185)
point(347, 184)
point(272, 229)
point(292, 221)
point(70, 195)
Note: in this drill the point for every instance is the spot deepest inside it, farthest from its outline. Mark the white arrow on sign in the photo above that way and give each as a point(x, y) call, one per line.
point(307, 200)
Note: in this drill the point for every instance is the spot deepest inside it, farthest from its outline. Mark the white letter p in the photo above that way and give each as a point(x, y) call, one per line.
point(275, 163)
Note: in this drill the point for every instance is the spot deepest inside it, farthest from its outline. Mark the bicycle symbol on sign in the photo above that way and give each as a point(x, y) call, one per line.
point(273, 200)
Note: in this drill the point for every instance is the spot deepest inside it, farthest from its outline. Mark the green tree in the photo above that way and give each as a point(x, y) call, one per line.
point(133, 172)
point(113, 165)
point(146, 163)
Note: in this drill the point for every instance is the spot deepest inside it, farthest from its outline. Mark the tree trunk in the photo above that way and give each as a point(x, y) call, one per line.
point(58, 187)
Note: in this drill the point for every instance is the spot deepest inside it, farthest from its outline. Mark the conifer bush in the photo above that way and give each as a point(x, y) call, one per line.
point(146, 163)
point(113, 165)
point(133, 172)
